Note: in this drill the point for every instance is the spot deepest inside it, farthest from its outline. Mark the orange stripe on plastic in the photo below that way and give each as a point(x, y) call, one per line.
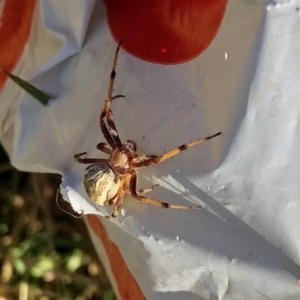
point(128, 287)
point(15, 27)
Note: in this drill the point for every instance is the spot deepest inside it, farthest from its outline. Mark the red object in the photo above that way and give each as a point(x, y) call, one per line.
point(165, 31)
point(15, 26)
point(128, 288)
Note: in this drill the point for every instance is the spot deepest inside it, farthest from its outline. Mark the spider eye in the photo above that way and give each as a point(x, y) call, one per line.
point(131, 145)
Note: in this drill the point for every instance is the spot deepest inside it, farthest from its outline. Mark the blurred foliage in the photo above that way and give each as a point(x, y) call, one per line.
point(45, 253)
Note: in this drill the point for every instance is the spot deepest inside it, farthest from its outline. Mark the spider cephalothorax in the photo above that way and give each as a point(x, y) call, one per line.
point(107, 180)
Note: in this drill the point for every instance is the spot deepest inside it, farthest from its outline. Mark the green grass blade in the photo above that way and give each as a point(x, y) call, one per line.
point(42, 97)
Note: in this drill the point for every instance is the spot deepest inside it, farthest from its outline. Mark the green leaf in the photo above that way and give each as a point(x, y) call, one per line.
point(43, 265)
point(108, 295)
point(3, 228)
point(18, 252)
point(19, 266)
point(42, 97)
point(75, 261)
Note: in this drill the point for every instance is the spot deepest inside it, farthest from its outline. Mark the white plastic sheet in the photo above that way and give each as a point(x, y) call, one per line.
point(244, 243)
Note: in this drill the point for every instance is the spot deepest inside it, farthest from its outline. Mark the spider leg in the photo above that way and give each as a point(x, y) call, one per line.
point(148, 160)
point(110, 97)
point(112, 127)
point(133, 181)
point(101, 147)
point(106, 133)
point(88, 160)
point(144, 190)
point(107, 111)
point(118, 205)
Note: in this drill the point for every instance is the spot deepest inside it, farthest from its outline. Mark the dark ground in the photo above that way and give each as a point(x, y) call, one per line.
point(45, 253)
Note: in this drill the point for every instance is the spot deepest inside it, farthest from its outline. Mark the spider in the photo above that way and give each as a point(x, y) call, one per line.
point(106, 181)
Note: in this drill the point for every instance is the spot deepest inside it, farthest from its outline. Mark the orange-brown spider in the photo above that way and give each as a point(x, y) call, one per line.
point(107, 180)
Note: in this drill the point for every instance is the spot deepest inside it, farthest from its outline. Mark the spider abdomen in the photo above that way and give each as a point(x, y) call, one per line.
point(101, 184)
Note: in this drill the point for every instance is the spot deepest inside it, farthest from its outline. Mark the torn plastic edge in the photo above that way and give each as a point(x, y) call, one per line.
point(79, 204)
point(80, 212)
